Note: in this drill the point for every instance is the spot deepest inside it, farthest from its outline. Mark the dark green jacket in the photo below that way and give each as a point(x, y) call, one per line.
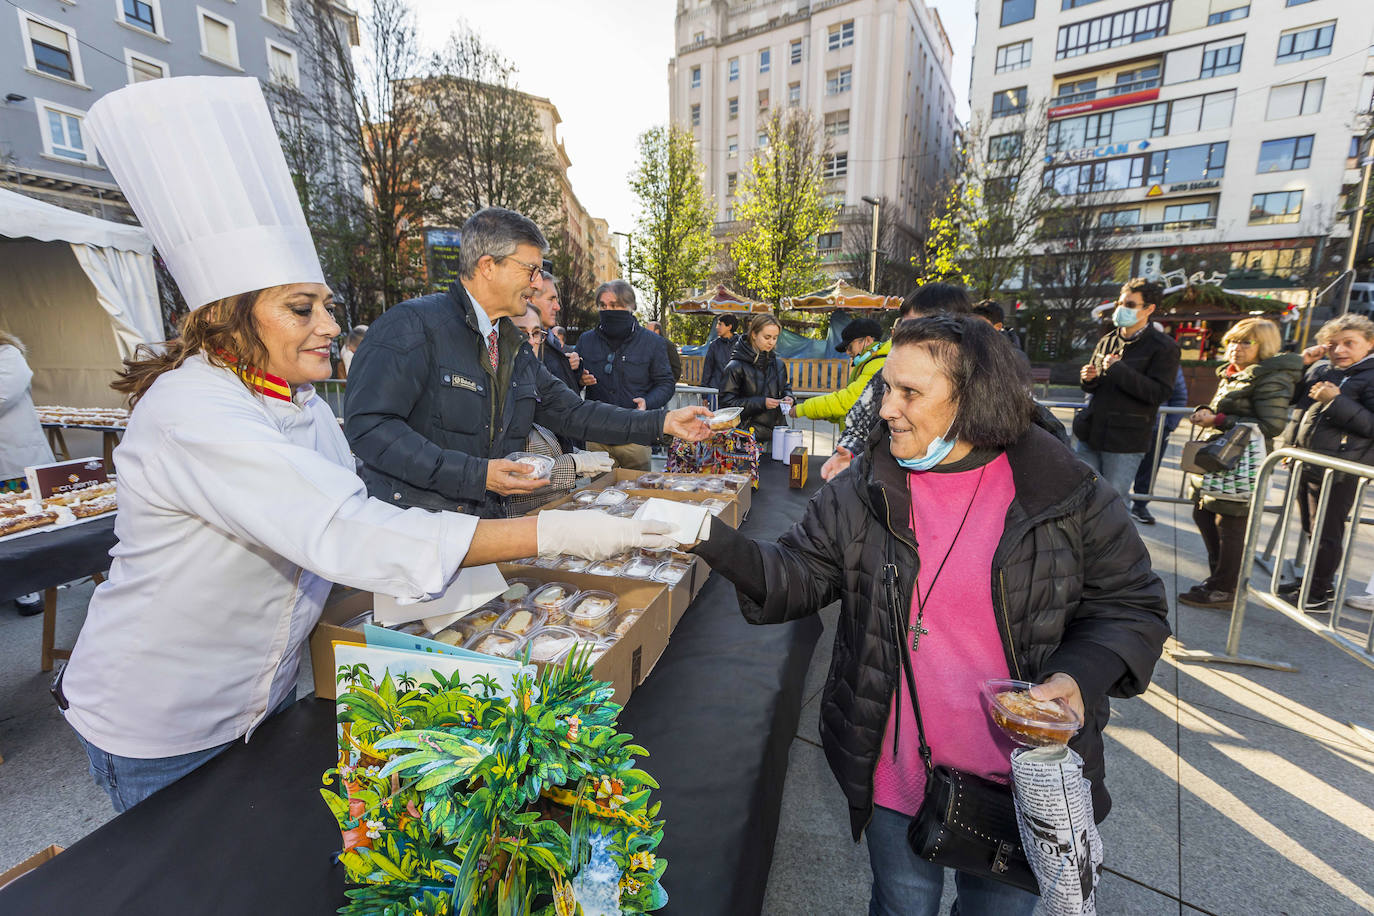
point(1258, 394)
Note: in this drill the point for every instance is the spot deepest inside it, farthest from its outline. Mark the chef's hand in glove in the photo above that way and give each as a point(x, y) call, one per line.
point(589, 463)
point(595, 536)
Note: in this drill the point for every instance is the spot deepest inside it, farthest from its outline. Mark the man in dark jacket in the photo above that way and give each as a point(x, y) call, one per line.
point(625, 365)
point(562, 363)
point(1131, 373)
point(442, 387)
point(718, 353)
point(674, 355)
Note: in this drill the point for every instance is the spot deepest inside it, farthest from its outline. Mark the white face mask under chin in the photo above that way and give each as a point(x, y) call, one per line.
point(937, 451)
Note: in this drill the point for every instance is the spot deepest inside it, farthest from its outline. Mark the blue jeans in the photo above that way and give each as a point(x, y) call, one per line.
point(129, 780)
point(905, 885)
point(1117, 468)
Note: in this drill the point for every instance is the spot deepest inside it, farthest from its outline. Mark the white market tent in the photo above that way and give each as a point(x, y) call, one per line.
point(81, 294)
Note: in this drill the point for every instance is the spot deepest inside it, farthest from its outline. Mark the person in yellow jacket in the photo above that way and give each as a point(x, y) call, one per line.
point(862, 341)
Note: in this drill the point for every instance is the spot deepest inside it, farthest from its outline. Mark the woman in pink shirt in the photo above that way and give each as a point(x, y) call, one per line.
point(981, 547)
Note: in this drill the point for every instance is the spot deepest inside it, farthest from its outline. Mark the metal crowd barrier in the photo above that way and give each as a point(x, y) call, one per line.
point(1268, 595)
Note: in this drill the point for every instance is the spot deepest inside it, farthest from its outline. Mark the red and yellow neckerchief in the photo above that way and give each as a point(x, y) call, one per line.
point(264, 383)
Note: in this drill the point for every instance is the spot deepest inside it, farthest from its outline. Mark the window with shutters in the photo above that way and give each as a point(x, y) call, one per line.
point(282, 65)
point(141, 68)
point(51, 48)
point(732, 108)
point(840, 36)
point(794, 52)
point(279, 11)
point(217, 39)
point(1294, 99)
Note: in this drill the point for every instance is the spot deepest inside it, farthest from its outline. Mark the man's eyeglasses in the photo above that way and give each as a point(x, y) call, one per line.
point(536, 334)
point(532, 268)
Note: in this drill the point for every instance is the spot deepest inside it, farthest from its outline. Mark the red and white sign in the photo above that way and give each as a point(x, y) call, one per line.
point(1104, 103)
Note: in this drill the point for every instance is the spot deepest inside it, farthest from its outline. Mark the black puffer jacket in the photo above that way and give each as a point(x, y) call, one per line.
point(1343, 427)
point(751, 376)
point(1073, 590)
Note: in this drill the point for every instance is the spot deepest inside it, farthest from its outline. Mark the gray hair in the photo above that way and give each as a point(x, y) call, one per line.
point(654, 326)
point(355, 336)
point(547, 275)
point(624, 293)
point(1350, 321)
point(495, 231)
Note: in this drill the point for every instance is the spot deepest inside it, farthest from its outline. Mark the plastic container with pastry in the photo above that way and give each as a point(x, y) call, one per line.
point(711, 485)
point(681, 484)
point(714, 506)
point(553, 599)
point(623, 621)
point(609, 567)
point(721, 420)
point(650, 481)
point(517, 590)
point(640, 568)
point(574, 564)
point(549, 644)
point(735, 482)
point(496, 642)
point(671, 573)
point(610, 497)
point(585, 497)
point(592, 610)
point(1026, 720)
point(540, 466)
point(485, 617)
point(522, 620)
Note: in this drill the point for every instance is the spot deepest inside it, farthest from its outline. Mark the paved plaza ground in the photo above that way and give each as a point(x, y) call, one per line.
point(1237, 790)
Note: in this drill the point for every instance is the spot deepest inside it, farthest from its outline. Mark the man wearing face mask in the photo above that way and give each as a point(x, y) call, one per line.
point(1130, 375)
point(625, 365)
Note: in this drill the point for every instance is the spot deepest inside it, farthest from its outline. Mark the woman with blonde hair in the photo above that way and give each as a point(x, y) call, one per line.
point(1256, 387)
point(756, 380)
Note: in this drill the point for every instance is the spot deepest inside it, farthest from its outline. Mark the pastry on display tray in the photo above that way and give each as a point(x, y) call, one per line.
point(550, 643)
point(522, 620)
point(1026, 720)
point(72, 497)
point(18, 523)
point(92, 507)
point(496, 642)
point(592, 609)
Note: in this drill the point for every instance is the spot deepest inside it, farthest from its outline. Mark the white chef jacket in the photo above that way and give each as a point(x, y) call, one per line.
point(236, 512)
point(22, 443)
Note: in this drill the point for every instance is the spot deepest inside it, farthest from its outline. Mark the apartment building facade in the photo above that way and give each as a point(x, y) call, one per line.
point(874, 73)
point(61, 56)
point(1227, 132)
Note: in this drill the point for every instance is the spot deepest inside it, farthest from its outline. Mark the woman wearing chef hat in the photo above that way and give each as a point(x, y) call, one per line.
point(238, 503)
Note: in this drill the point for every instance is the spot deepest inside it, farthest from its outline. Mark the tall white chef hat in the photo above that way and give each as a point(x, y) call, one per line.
point(199, 161)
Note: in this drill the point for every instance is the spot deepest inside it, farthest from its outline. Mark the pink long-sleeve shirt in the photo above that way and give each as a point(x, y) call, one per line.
point(963, 647)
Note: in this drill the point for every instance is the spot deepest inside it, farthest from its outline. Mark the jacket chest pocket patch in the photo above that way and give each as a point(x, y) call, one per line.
point(461, 401)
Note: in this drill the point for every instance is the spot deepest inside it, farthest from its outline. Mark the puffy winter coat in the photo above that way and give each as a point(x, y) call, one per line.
point(749, 378)
point(1072, 587)
point(835, 405)
point(1344, 426)
point(1258, 394)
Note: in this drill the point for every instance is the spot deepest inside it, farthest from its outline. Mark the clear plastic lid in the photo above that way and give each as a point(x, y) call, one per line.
point(611, 497)
point(671, 573)
point(553, 597)
point(623, 621)
point(522, 620)
point(682, 485)
point(650, 481)
point(727, 418)
point(711, 485)
point(574, 564)
point(548, 562)
point(485, 616)
point(517, 591)
point(624, 485)
point(627, 509)
point(714, 506)
point(735, 482)
point(1026, 720)
point(593, 609)
point(641, 568)
point(549, 644)
point(496, 642)
point(610, 567)
point(541, 466)
point(585, 497)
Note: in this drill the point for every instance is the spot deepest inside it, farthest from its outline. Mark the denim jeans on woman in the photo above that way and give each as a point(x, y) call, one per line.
point(906, 885)
point(129, 780)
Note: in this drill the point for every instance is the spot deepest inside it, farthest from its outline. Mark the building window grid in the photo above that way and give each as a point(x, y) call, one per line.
point(61, 130)
point(1009, 102)
point(836, 166)
point(694, 81)
point(1306, 43)
point(732, 147)
point(1275, 207)
point(1013, 56)
point(1187, 213)
point(732, 69)
point(765, 60)
point(829, 241)
point(1014, 11)
point(141, 14)
point(1004, 146)
point(840, 36)
point(794, 52)
point(763, 100)
point(1307, 94)
point(732, 108)
point(696, 114)
point(1231, 15)
point(1202, 162)
point(1118, 219)
point(1222, 60)
point(1146, 77)
point(1115, 30)
point(794, 93)
point(140, 68)
point(839, 81)
point(1289, 154)
point(837, 123)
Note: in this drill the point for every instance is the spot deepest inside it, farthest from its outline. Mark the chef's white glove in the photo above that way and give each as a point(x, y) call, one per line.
point(595, 536)
point(589, 463)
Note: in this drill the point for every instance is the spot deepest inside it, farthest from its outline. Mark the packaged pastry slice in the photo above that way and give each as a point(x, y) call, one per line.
point(1026, 720)
point(592, 610)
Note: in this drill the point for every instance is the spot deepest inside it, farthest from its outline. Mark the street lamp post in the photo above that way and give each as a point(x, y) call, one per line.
point(876, 204)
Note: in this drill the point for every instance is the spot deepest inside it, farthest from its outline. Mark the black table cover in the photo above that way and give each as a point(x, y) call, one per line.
point(248, 832)
point(32, 563)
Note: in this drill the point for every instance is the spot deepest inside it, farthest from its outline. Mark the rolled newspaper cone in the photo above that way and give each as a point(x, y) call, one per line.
point(1054, 810)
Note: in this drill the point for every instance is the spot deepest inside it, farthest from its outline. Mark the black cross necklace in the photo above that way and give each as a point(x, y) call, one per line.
point(917, 629)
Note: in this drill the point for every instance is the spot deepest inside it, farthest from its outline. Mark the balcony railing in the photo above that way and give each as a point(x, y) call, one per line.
point(1177, 225)
point(1104, 92)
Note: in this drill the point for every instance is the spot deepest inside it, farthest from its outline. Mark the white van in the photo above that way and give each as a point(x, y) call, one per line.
point(1362, 298)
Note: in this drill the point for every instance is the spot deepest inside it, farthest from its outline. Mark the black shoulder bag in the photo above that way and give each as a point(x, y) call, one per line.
point(965, 822)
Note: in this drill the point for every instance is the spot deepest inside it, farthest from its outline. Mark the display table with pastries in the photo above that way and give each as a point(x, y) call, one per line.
point(248, 832)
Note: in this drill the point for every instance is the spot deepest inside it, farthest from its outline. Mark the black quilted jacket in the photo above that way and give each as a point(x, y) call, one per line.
point(1073, 589)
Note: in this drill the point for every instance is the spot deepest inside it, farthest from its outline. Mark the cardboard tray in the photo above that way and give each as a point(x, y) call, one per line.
point(679, 598)
point(733, 514)
point(625, 665)
point(29, 864)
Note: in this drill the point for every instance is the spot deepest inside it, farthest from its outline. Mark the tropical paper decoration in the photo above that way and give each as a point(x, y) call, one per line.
point(458, 797)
